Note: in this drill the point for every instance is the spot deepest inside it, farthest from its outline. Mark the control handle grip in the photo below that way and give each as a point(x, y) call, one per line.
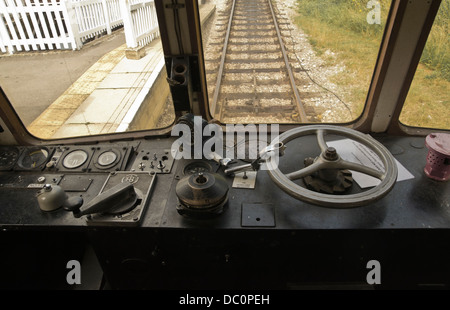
point(109, 200)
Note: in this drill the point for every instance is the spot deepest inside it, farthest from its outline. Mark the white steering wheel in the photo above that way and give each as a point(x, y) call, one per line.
point(323, 161)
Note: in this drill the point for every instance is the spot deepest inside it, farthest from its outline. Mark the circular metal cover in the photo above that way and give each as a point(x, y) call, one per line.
point(202, 190)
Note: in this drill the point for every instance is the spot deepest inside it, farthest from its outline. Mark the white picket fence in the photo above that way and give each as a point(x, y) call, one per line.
point(30, 25)
point(142, 20)
point(93, 17)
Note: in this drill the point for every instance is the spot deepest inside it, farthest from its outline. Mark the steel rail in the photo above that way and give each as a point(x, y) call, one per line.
point(301, 109)
point(222, 63)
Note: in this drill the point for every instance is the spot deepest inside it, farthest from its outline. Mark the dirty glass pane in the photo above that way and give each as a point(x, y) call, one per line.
point(74, 68)
point(428, 101)
point(330, 45)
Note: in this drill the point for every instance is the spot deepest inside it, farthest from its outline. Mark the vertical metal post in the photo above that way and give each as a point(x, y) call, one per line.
point(128, 24)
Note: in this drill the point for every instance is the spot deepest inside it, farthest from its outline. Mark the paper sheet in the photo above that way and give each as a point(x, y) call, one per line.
point(356, 152)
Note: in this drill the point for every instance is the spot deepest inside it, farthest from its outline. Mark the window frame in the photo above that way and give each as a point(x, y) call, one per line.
point(398, 13)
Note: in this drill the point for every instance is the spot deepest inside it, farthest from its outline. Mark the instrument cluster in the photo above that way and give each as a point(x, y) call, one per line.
point(76, 158)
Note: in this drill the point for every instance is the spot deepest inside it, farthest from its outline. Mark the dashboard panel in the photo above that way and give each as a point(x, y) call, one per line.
point(256, 227)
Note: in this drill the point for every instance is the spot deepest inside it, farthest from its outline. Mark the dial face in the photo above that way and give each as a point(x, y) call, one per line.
point(34, 158)
point(197, 166)
point(75, 159)
point(8, 157)
point(107, 158)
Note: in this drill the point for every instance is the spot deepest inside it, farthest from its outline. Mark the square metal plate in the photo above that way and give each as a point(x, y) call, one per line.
point(258, 215)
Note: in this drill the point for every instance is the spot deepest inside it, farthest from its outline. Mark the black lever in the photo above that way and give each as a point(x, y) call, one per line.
point(118, 196)
point(73, 204)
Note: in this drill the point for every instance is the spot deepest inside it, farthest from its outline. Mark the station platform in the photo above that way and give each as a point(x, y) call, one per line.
point(111, 95)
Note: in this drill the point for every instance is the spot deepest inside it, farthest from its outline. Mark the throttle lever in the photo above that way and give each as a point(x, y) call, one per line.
point(118, 196)
point(73, 204)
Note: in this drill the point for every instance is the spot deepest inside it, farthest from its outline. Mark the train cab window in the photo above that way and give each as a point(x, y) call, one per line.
point(292, 61)
point(428, 101)
point(70, 74)
point(80, 68)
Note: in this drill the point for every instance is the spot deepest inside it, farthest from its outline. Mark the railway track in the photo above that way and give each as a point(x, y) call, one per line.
point(254, 81)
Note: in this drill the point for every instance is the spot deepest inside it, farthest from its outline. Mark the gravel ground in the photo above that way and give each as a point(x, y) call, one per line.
point(328, 107)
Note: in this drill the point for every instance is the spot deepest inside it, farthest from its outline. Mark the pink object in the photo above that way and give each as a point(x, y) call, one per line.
point(438, 159)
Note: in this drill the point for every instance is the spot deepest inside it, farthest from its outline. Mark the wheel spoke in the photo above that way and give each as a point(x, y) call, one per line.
point(343, 164)
point(321, 141)
point(304, 172)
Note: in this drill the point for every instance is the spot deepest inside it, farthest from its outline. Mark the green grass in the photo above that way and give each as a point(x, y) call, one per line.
point(341, 27)
point(436, 55)
point(427, 104)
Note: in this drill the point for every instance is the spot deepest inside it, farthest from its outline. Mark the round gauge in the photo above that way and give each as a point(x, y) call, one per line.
point(34, 158)
point(197, 166)
point(75, 159)
point(8, 157)
point(107, 158)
